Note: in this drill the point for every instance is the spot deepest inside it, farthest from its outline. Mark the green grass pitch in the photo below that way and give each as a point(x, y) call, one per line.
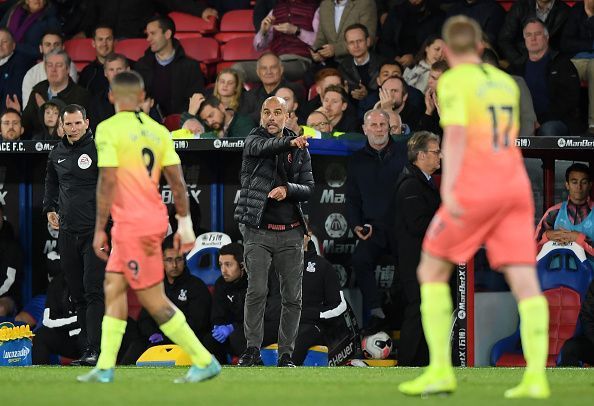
point(275, 386)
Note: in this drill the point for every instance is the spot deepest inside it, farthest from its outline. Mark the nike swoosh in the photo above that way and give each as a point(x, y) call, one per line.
point(61, 160)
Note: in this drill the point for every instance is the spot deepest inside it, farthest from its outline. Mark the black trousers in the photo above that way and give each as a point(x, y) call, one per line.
point(309, 335)
point(576, 351)
point(48, 341)
point(364, 260)
point(84, 274)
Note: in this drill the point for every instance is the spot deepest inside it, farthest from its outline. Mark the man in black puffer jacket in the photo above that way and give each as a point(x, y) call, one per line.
point(275, 177)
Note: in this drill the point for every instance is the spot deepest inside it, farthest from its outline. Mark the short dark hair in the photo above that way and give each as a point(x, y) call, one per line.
point(395, 63)
point(11, 110)
point(165, 23)
point(440, 66)
point(578, 167)
point(52, 31)
point(490, 57)
point(167, 243)
point(74, 108)
point(404, 86)
point(339, 90)
point(106, 26)
point(357, 26)
point(235, 249)
point(115, 57)
point(127, 78)
point(212, 101)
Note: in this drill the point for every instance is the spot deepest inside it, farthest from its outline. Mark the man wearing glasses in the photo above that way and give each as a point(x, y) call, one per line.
point(417, 200)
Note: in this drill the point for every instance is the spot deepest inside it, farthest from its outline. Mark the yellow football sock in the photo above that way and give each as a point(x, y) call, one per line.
point(436, 311)
point(534, 330)
point(180, 333)
point(112, 331)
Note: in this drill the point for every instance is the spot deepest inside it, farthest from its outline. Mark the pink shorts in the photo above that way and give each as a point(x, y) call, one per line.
point(506, 229)
point(140, 259)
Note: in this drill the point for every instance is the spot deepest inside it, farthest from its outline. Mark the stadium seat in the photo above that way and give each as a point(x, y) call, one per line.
point(564, 274)
point(236, 24)
point(204, 50)
point(172, 122)
point(186, 23)
point(235, 50)
point(81, 51)
point(132, 48)
point(202, 260)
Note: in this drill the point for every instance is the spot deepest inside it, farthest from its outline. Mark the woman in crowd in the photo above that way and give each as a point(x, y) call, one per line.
point(229, 90)
point(418, 75)
point(28, 20)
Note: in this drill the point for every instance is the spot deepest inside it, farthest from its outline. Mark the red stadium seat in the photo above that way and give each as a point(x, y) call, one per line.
point(564, 309)
point(237, 49)
point(185, 23)
point(81, 51)
point(206, 51)
point(172, 122)
point(132, 48)
point(236, 24)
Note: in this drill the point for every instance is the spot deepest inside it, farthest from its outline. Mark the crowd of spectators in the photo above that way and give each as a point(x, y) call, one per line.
point(307, 46)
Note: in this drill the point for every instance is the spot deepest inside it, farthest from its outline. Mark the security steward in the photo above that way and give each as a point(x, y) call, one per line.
point(70, 205)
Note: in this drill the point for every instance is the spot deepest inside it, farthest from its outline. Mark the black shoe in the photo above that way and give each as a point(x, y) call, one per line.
point(250, 358)
point(375, 325)
point(88, 359)
point(285, 361)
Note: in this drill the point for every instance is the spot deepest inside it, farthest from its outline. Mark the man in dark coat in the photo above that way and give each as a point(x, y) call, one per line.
point(170, 77)
point(276, 176)
point(511, 41)
point(58, 84)
point(372, 173)
point(416, 201)
point(12, 70)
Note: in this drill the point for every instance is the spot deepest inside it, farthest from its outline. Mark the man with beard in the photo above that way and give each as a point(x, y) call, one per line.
point(92, 77)
point(372, 173)
point(393, 95)
point(220, 122)
point(276, 176)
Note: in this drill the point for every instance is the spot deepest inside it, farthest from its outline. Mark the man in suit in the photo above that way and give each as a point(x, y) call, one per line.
point(335, 17)
point(417, 200)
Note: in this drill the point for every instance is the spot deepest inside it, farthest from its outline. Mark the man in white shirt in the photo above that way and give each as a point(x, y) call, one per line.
point(50, 41)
